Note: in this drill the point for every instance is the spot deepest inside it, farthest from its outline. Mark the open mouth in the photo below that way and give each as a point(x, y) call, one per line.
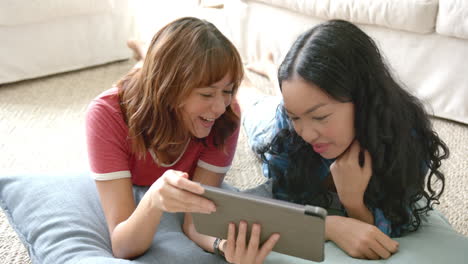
point(207, 122)
point(207, 119)
point(320, 148)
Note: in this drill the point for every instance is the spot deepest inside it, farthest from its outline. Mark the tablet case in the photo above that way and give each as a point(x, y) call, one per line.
point(302, 228)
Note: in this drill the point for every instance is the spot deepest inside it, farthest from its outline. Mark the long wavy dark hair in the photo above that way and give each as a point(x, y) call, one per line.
point(389, 122)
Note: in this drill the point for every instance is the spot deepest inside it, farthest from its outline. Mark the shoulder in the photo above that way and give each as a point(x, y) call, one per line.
point(108, 99)
point(106, 103)
point(104, 113)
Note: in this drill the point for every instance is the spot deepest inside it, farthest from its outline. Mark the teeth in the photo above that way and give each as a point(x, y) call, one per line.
point(208, 119)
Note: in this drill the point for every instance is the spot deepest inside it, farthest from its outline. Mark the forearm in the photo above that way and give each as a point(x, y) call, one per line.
point(203, 241)
point(210, 178)
point(134, 236)
point(360, 212)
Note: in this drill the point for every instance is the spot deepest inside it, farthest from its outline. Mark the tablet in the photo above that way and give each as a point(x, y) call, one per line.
point(302, 228)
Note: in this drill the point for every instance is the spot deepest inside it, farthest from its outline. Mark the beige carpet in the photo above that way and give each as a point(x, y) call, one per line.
point(41, 130)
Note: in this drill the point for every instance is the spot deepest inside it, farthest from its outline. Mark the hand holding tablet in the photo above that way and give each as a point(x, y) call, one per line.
point(241, 247)
point(301, 228)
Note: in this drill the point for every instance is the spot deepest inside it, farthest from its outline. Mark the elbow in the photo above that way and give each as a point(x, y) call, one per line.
point(188, 229)
point(125, 253)
point(120, 253)
point(123, 250)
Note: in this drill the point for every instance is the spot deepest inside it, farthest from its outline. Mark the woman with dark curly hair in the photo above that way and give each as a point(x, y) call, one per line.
point(346, 136)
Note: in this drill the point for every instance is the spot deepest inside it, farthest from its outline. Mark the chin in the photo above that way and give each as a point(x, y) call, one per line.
point(326, 156)
point(329, 155)
point(201, 134)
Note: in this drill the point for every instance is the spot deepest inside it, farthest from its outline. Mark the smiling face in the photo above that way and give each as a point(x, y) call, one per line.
point(206, 104)
point(325, 123)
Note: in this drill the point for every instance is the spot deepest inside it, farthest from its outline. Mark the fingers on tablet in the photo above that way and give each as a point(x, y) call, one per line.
point(267, 247)
point(238, 249)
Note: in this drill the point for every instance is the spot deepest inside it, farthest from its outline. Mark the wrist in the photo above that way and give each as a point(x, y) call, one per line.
point(331, 223)
point(147, 204)
point(354, 202)
point(151, 197)
point(218, 247)
point(222, 246)
point(360, 212)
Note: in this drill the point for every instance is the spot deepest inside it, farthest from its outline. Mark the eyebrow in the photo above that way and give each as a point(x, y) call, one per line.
point(310, 110)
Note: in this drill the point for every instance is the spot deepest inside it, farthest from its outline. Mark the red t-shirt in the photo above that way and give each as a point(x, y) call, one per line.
point(110, 155)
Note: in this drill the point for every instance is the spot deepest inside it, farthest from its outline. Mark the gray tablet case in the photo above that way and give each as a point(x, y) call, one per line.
point(302, 228)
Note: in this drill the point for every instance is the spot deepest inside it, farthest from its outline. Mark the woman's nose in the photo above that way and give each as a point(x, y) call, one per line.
point(219, 106)
point(309, 134)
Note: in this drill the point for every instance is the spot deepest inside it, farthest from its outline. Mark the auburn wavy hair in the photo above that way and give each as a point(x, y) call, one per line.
point(187, 53)
point(390, 123)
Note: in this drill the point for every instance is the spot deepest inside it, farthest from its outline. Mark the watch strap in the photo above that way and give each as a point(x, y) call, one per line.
point(216, 244)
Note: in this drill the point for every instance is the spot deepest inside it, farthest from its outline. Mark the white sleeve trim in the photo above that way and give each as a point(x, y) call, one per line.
point(111, 175)
point(213, 168)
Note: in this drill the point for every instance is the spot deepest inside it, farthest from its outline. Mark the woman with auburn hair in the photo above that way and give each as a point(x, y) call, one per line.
point(168, 124)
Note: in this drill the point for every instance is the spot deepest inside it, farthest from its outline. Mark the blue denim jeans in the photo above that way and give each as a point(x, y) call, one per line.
point(259, 121)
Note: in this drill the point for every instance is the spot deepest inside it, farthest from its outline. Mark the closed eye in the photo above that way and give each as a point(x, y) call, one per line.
point(320, 118)
point(230, 92)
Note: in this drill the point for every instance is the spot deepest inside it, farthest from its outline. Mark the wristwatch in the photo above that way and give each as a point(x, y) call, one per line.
point(216, 249)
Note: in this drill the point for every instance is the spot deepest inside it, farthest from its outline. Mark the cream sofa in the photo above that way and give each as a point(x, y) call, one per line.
point(44, 37)
point(425, 41)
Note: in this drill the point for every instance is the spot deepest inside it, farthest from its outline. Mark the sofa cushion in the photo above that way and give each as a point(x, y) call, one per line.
point(452, 19)
point(60, 220)
point(410, 15)
point(20, 12)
